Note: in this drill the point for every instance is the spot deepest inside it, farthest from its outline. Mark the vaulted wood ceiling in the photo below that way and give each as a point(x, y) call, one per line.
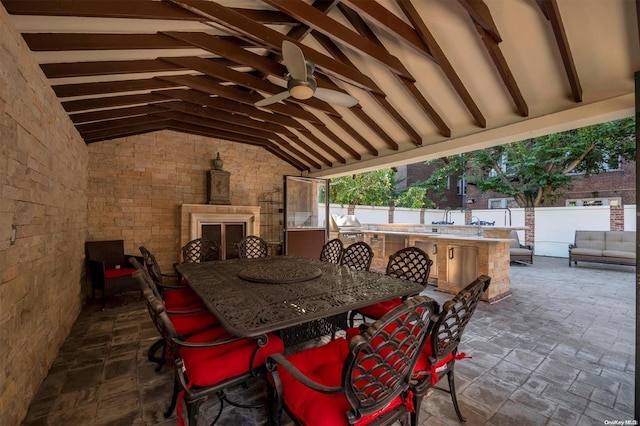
point(433, 77)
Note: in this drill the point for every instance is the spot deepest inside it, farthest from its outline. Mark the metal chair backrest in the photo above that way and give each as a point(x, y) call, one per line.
point(332, 251)
point(382, 358)
point(454, 317)
point(152, 265)
point(253, 247)
point(200, 250)
point(357, 256)
point(410, 263)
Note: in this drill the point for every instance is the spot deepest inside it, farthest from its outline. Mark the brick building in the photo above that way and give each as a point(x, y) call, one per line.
point(614, 187)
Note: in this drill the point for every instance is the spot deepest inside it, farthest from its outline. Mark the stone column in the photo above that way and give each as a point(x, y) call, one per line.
point(616, 218)
point(392, 211)
point(468, 214)
point(530, 221)
point(422, 216)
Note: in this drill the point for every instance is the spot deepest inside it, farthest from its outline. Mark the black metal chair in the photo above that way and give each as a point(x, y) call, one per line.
point(357, 256)
point(410, 263)
point(253, 247)
point(364, 380)
point(440, 351)
point(200, 250)
point(332, 251)
point(207, 363)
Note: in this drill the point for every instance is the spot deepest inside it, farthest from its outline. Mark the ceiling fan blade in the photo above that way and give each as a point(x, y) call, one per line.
point(335, 97)
point(273, 99)
point(293, 59)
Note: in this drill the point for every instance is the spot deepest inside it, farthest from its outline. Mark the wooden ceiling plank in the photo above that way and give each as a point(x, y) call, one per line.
point(244, 79)
point(322, 23)
point(207, 85)
point(44, 42)
point(399, 119)
point(338, 141)
point(326, 148)
point(118, 123)
point(112, 101)
point(364, 29)
point(552, 13)
point(375, 127)
point(225, 116)
point(503, 69)
point(263, 35)
point(441, 59)
point(481, 14)
point(107, 9)
point(356, 136)
point(109, 114)
point(102, 87)
point(387, 20)
point(78, 69)
point(295, 139)
point(283, 144)
point(200, 98)
point(109, 134)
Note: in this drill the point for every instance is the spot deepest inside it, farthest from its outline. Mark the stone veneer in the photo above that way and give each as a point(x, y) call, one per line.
point(138, 184)
point(43, 182)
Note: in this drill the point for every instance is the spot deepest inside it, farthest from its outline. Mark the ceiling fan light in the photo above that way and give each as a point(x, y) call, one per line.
point(301, 92)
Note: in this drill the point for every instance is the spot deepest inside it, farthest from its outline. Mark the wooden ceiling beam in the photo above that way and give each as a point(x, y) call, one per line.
point(102, 87)
point(552, 13)
point(113, 113)
point(284, 144)
point(441, 59)
point(112, 101)
point(45, 42)
point(118, 123)
point(199, 98)
point(338, 141)
point(481, 14)
point(121, 132)
point(262, 35)
point(208, 85)
point(244, 79)
point(79, 69)
point(363, 28)
point(326, 148)
point(322, 23)
point(307, 148)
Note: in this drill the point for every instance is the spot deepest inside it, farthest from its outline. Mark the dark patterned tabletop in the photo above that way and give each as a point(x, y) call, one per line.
point(309, 290)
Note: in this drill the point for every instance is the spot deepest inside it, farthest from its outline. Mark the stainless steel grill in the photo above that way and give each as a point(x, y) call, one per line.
point(347, 226)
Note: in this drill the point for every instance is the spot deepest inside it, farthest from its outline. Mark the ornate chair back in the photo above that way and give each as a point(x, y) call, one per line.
point(200, 250)
point(332, 251)
point(357, 256)
point(441, 348)
point(253, 247)
point(152, 265)
point(411, 264)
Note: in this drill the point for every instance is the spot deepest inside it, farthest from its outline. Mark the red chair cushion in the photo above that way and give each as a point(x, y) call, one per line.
point(211, 365)
point(379, 310)
point(120, 272)
point(190, 324)
point(324, 365)
point(180, 298)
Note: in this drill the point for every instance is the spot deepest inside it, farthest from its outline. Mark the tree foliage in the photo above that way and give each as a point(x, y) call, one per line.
point(533, 170)
point(370, 189)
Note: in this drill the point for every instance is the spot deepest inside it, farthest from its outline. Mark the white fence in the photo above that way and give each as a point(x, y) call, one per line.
point(554, 226)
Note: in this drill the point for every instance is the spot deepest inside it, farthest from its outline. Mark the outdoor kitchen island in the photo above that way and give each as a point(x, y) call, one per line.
point(459, 253)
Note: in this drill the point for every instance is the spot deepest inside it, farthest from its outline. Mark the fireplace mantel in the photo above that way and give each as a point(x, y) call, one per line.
point(193, 216)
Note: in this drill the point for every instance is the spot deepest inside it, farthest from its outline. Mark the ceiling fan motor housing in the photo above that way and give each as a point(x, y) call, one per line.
point(301, 89)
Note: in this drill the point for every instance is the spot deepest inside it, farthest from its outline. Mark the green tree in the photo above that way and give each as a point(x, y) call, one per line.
point(372, 188)
point(414, 197)
point(533, 170)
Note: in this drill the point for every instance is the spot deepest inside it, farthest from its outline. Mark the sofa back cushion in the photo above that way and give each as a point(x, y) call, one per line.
point(590, 239)
point(515, 240)
point(621, 241)
point(110, 252)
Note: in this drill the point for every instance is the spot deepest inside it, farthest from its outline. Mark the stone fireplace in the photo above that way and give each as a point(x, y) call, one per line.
point(229, 224)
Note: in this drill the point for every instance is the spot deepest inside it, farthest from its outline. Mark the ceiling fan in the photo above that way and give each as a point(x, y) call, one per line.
point(300, 81)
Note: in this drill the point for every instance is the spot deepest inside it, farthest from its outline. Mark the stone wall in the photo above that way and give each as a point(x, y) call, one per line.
point(137, 185)
point(43, 175)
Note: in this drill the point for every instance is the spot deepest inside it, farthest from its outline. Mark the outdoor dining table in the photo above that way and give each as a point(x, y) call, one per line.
point(251, 297)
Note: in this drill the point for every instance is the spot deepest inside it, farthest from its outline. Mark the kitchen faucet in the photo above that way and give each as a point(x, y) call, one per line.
point(478, 222)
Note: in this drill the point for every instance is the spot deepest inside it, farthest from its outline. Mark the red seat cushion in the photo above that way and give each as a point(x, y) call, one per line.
point(120, 272)
point(180, 298)
point(379, 310)
point(324, 365)
point(211, 365)
point(193, 323)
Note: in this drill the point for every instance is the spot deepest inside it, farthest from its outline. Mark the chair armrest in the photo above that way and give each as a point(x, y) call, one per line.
point(572, 246)
point(220, 342)
point(128, 256)
point(190, 311)
point(275, 360)
point(96, 270)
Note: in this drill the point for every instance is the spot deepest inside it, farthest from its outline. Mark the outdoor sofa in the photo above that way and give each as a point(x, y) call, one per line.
point(616, 247)
point(519, 253)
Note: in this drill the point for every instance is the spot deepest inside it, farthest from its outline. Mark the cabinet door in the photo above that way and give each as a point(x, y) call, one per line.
point(431, 248)
point(462, 265)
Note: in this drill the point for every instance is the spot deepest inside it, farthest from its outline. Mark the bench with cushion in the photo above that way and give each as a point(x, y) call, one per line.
point(108, 268)
point(616, 247)
point(518, 252)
